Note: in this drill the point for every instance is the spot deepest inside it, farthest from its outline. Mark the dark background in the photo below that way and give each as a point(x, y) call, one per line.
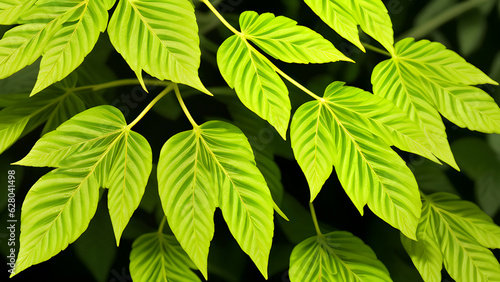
point(473, 34)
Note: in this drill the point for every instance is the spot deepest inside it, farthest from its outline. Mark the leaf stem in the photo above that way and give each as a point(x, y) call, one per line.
point(276, 69)
point(152, 103)
point(121, 82)
point(315, 220)
point(184, 108)
point(162, 224)
point(376, 49)
point(449, 14)
point(220, 17)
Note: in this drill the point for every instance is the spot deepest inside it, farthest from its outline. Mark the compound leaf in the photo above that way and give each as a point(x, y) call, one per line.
point(72, 42)
point(331, 132)
point(257, 84)
point(283, 39)
point(63, 34)
point(159, 37)
point(100, 142)
point(213, 165)
point(424, 78)
point(336, 256)
point(345, 15)
point(462, 233)
point(159, 257)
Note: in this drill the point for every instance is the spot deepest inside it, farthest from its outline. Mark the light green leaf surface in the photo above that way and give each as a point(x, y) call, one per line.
point(425, 79)
point(283, 39)
point(63, 34)
point(159, 37)
point(463, 233)
point(213, 166)
point(72, 42)
point(340, 132)
point(159, 257)
point(98, 145)
point(345, 15)
point(336, 256)
point(257, 84)
point(56, 211)
point(425, 253)
point(11, 10)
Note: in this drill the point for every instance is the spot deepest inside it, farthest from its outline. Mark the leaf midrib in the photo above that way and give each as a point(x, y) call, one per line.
point(91, 171)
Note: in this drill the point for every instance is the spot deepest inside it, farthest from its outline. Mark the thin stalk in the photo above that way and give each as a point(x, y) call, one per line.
point(162, 224)
point(315, 220)
point(455, 11)
point(150, 105)
point(121, 82)
point(376, 49)
point(184, 108)
point(220, 17)
point(298, 85)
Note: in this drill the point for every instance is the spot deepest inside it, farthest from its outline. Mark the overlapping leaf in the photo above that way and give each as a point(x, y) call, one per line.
point(93, 149)
point(257, 84)
point(63, 34)
point(336, 256)
point(159, 257)
point(425, 79)
point(11, 10)
point(343, 130)
point(345, 15)
point(213, 166)
point(283, 39)
point(462, 233)
point(159, 37)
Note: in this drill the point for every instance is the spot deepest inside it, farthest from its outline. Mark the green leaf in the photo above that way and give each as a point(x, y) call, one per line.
point(56, 211)
point(338, 131)
point(463, 233)
point(283, 39)
point(345, 15)
point(159, 257)
point(336, 256)
point(213, 166)
point(257, 84)
point(425, 252)
point(72, 42)
point(63, 34)
point(150, 36)
point(11, 10)
point(99, 138)
point(424, 78)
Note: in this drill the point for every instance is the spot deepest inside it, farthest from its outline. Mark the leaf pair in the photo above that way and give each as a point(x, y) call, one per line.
point(213, 166)
point(351, 129)
point(425, 79)
point(457, 233)
point(254, 77)
point(93, 149)
point(160, 37)
point(63, 34)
